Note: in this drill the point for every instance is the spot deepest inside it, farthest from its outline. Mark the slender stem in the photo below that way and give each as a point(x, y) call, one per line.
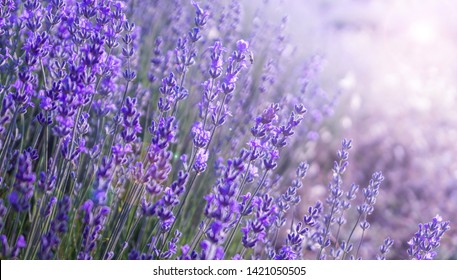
point(142, 229)
point(2, 96)
point(333, 210)
point(275, 239)
point(134, 194)
point(209, 103)
point(243, 252)
point(129, 235)
point(36, 137)
point(149, 239)
point(70, 232)
point(235, 229)
point(181, 205)
point(5, 151)
point(360, 244)
point(117, 120)
point(293, 220)
point(327, 229)
point(218, 115)
point(175, 105)
point(45, 145)
point(44, 74)
point(35, 219)
point(350, 235)
point(54, 157)
point(338, 231)
point(14, 232)
point(244, 180)
point(199, 235)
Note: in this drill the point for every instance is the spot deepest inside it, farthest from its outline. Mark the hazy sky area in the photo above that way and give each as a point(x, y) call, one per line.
point(394, 58)
point(385, 47)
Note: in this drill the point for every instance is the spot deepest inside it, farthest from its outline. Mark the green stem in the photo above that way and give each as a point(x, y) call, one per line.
point(31, 238)
point(181, 205)
point(5, 151)
point(235, 229)
point(360, 244)
point(350, 236)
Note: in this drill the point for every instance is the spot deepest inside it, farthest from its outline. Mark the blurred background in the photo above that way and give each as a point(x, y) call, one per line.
point(393, 64)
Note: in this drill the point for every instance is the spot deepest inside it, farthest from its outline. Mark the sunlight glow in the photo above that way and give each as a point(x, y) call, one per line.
point(423, 32)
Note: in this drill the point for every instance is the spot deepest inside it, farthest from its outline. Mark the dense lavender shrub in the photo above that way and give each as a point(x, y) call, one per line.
point(131, 132)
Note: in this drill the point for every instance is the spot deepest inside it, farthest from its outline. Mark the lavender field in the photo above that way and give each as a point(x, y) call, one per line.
point(188, 130)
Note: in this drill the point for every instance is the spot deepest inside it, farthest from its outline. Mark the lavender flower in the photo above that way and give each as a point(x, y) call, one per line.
point(384, 248)
point(94, 221)
point(336, 193)
point(59, 226)
point(130, 120)
point(201, 136)
point(102, 185)
point(12, 252)
point(23, 188)
point(426, 240)
point(256, 229)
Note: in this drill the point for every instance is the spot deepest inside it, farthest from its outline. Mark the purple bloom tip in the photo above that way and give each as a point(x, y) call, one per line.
point(242, 45)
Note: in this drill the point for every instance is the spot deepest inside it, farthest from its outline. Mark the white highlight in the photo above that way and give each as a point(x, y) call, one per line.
point(423, 32)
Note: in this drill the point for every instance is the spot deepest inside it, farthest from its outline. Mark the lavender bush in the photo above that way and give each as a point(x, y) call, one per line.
point(169, 130)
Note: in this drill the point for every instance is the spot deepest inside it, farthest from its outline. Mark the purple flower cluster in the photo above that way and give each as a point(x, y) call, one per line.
point(59, 226)
point(94, 220)
point(23, 188)
point(264, 215)
point(384, 248)
point(12, 252)
point(315, 232)
point(426, 240)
